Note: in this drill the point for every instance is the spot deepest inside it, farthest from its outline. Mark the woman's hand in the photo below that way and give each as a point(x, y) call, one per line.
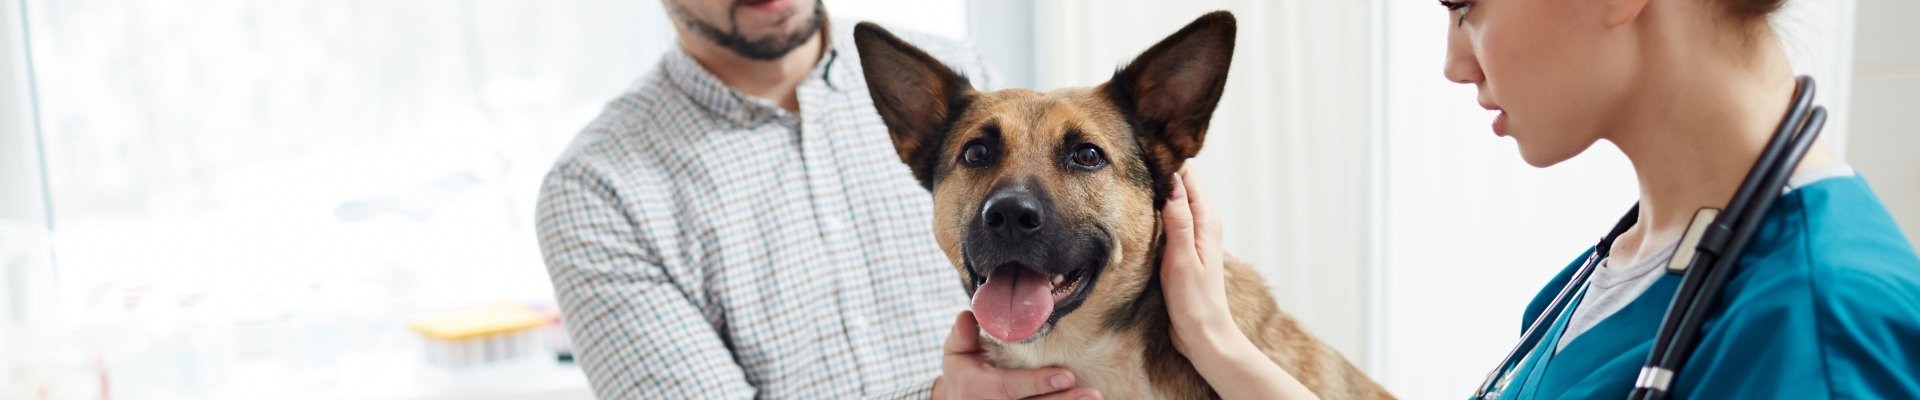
point(1192, 274)
point(1193, 278)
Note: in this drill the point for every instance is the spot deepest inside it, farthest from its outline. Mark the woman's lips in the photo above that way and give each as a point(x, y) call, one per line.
point(1500, 125)
point(1499, 122)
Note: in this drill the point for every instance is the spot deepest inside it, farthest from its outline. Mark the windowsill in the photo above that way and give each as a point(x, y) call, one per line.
point(393, 375)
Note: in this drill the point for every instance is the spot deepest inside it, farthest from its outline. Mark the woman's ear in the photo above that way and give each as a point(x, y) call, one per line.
point(916, 95)
point(1170, 91)
point(1620, 12)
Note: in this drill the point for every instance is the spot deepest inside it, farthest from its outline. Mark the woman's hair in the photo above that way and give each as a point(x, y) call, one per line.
point(1749, 12)
point(1748, 19)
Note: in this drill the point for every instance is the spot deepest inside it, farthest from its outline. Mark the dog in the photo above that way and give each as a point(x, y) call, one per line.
point(1047, 204)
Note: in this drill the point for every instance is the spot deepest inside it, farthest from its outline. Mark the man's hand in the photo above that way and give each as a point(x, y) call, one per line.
point(964, 373)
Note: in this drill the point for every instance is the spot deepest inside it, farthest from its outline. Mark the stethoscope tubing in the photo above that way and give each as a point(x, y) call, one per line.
point(1717, 252)
point(1680, 329)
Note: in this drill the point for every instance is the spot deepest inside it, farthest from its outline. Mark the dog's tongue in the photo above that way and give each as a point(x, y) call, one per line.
point(1013, 303)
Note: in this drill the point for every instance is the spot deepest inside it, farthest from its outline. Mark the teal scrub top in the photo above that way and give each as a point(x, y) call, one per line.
point(1825, 304)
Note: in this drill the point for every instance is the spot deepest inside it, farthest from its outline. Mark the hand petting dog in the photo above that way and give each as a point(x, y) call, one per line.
point(1193, 276)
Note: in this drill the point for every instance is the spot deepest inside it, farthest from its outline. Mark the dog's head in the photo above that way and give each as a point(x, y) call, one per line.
point(1047, 202)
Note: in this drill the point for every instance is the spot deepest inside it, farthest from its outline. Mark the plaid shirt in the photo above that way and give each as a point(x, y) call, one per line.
point(707, 244)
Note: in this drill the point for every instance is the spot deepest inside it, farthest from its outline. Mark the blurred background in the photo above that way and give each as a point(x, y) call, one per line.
point(332, 199)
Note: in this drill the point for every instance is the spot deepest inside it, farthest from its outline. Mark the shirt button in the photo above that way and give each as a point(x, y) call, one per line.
point(835, 225)
point(858, 322)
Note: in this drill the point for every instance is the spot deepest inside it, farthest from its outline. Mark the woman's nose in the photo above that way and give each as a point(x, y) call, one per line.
point(1461, 66)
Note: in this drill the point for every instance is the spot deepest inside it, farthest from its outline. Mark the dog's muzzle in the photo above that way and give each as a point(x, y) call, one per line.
point(1028, 267)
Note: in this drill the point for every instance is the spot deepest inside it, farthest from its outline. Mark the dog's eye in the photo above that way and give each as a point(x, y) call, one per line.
point(975, 154)
point(1088, 156)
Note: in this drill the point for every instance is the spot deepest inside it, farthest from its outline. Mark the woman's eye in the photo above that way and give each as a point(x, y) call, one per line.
point(1459, 6)
point(1088, 156)
point(974, 155)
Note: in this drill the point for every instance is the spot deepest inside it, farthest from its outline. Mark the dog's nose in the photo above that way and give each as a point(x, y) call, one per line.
point(1013, 214)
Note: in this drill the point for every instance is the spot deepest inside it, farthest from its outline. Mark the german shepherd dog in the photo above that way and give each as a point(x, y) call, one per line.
point(1047, 203)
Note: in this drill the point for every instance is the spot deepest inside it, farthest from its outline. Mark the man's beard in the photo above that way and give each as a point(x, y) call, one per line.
point(761, 49)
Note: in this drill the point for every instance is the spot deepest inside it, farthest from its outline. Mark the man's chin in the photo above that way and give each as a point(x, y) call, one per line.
point(774, 39)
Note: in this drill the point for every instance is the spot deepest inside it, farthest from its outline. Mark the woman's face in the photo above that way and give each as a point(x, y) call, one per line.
point(1553, 68)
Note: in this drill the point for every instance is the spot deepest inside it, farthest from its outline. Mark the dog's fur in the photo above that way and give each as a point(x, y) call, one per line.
point(1103, 223)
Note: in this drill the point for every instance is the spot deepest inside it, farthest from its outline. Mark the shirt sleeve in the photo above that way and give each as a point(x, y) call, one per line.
point(1870, 335)
point(636, 329)
point(1833, 335)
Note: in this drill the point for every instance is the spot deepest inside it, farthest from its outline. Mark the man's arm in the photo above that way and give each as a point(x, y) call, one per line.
point(635, 328)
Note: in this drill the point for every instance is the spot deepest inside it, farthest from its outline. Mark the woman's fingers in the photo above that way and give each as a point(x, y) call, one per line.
point(1191, 269)
point(1206, 223)
point(1179, 223)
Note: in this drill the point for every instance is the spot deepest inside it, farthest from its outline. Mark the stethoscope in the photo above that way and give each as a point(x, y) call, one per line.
point(1710, 247)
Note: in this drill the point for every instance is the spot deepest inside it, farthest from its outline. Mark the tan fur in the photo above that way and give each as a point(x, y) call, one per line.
point(1117, 339)
point(1137, 362)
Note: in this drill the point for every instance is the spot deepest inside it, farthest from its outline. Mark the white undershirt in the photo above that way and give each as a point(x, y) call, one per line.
point(1614, 286)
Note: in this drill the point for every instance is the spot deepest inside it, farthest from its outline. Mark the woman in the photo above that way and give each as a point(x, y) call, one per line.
point(1826, 302)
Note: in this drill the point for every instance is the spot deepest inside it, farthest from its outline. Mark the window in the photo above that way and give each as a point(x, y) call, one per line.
point(239, 186)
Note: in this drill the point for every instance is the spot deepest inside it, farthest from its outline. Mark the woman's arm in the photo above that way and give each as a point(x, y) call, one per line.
point(1194, 280)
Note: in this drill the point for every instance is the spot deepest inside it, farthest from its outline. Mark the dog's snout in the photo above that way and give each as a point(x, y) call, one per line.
point(1013, 214)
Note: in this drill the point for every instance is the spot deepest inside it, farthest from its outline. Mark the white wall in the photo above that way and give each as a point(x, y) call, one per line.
point(22, 210)
point(947, 18)
point(1886, 96)
point(1002, 30)
point(1470, 231)
point(21, 193)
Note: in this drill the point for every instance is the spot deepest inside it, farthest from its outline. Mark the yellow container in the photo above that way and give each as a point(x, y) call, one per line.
point(481, 336)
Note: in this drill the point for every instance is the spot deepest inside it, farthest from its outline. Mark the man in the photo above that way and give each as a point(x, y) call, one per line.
point(737, 225)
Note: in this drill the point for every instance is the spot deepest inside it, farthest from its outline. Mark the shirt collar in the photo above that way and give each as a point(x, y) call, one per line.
point(833, 72)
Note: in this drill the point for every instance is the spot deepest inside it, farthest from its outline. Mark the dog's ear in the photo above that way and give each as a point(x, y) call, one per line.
point(916, 95)
point(1170, 91)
